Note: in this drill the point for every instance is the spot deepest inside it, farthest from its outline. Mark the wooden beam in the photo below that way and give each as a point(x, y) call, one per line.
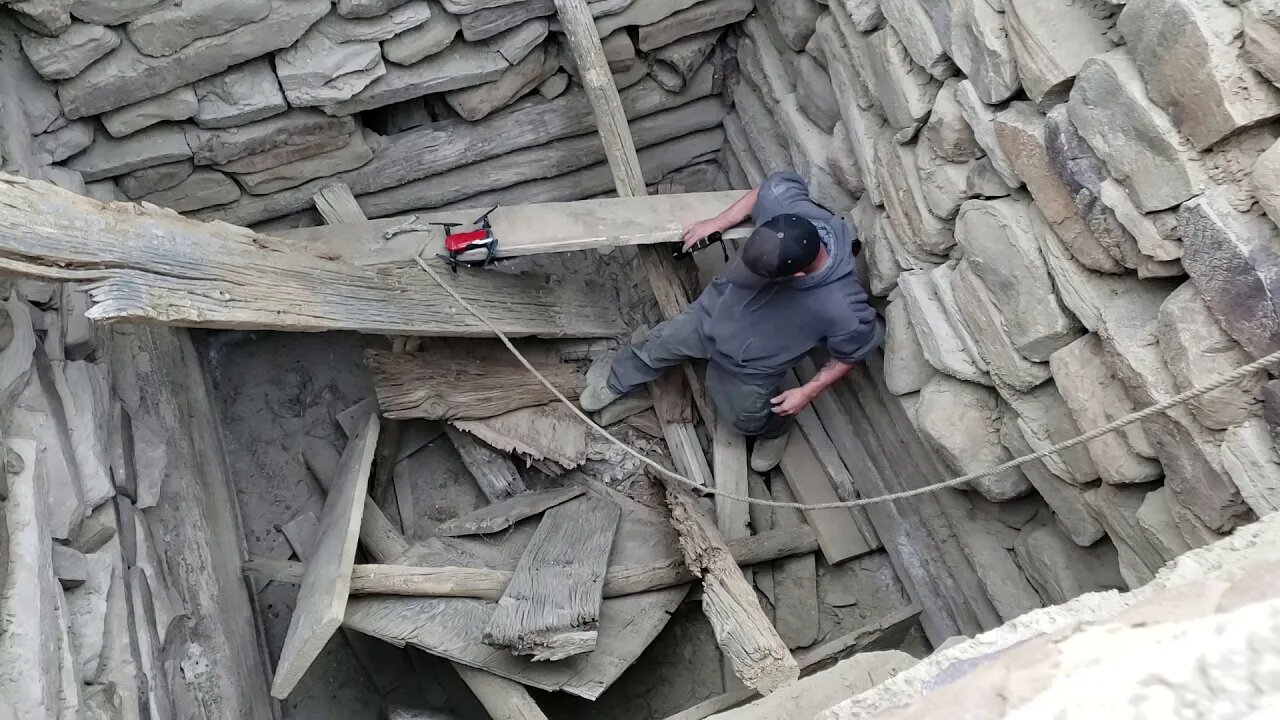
point(322, 599)
point(838, 534)
point(378, 536)
point(493, 471)
point(503, 699)
point(795, 581)
point(486, 584)
point(504, 514)
point(546, 432)
point(729, 465)
point(152, 265)
point(450, 382)
point(550, 609)
point(337, 205)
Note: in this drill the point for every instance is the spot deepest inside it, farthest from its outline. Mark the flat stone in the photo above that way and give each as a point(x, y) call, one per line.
point(47, 17)
point(1157, 234)
point(866, 15)
point(1136, 139)
point(349, 157)
point(126, 76)
point(1045, 420)
point(1003, 248)
point(1067, 501)
point(1262, 37)
point(939, 340)
point(905, 203)
point(461, 65)
point(108, 157)
point(1060, 569)
point(154, 179)
point(484, 24)
point(202, 188)
point(69, 566)
point(904, 89)
point(947, 130)
point(111, 12)
point(1116, 507)
point(987, 545)
point(814, 93)
point(1155, 516)
point(981, 120)
point(1229, 165)
point(878, 258)
point(104, 191)
point(366, 8)
point(944, 184)
point(66, 141)
point(464, 7)
point(860, 124)
point(177, 104)
point(915, 26)
point(244, 94)
point(794, 19)
point(519, 41)
point(982, 50)
point(317, 71)
point(844, 168)
point(554, 86)
point(1095, 397)
point(64, 56)
point(40, 107)
point(171, 27)
point(1271, 406)
point(961, 422)
point(382, 27)
point(1234, 259)
point(1249, 458)
point(1196, 349)
point(32, 416)
point(984, 321)
point(1194, 531)
point(429, 38)
point(65, 179)
point(1188, 51)
point(1080, 170)
point(475, 103)
point(809, 147)
point(983, 181)
point(941, 279)
point(1051, 40)
point(295, 128)
point(86, 608)
point(905, 368)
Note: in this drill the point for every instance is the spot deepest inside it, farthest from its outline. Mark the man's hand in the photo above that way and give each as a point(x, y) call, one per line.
point(792, 401)
point(698, 230)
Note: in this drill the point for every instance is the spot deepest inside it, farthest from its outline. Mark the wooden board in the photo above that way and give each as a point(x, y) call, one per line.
point(551, 608)
point(729, 465)
point(837, 532)
point(378, 536)
point(451, 383)
point(504, 514)
point(493, 471)
point(545, 432)
point(686, 452)
point(152, 265)
point(503, 699)
point(795, 581)
point(322, 599)
point(338, 206)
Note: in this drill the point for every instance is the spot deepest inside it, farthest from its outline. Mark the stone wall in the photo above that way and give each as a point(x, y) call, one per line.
point(240, 110)
point(1068, 207)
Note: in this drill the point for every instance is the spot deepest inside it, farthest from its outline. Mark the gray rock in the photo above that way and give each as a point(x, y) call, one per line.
point(519, 41)
point(1020, 130)
point(982, 50)
point(316, 71)
point(173, 26)
point(1083, 291)
point(844, 167)
point(349, 157)
point(1061, 570)
point(1002, 246)
point(1194, 531)
point(1066, 500)
point(554, 86)
point(1116, 508)
point(1157, 234)
point(982, 318)
point(104, 191)
point(203, 188)
point(941, 279)
point(1229, 165)
point(984, 181)
point(475, 103)
point(66, 179)
point(940, 341)
point(461, 65)
point(905, 203)
point(1262, 37)
point(47, 17)
point(987, 544)
point(905, 367)
point(865, 15)
point(1155, 516)
point(961, 422)
point(429, 38)
point(915, 26)
point(1188, 51)
point(1266, 182)
point(904, 89)
point(464, 7)
point(861, 125)
point(1096, 398)
point(981, 120)
point(86, 612)
point(284, 154)
point(154, 179)
point(809, 150)
point(111, 12)
point(1249, 458)
point(1271, 406)
point(1234, 259)
point(947, 130)
point(177, 104)
point(1197, 349)
point(383, 27)
point(39, 107)
point(878, 258)
point(295, 128)
point(944, 184)
point(484, 24)
point(244, 94)
point(794, 19)
point(61, 144)
point(619, 53)
point(1134, 137)
point(673, 65)
point(1051, 40)
point(126, 76)
point(64, 56)
point(69, 566)
point(1045, 420)
point(814, 93)
point(366, 8)
point(1192, 461)
point(108, 157)
point(701, 18)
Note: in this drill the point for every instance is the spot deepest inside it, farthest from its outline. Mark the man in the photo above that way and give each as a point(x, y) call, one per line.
point(791, 288)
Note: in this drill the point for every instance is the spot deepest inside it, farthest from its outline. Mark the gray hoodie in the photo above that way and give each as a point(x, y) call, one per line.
point(764, 332)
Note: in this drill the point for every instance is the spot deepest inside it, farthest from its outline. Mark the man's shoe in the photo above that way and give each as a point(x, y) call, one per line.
point(596, 397)
point(767, 453)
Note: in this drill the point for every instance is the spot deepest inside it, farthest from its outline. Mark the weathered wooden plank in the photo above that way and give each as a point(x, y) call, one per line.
point(493, 471)
point(337, 205)
point(155, 266)
point(838, 534)
point(686, 452)
point(504, 514)
point(451, 382)
point(759, 657)
point(795, 581)
point(762, 523)
point(322, 599)
point(503, 699)
point(378, 535)
point(545, 432)
point(551, 608)
point(729, 466)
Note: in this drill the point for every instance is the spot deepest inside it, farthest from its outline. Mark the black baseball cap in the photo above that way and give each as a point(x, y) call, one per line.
point(781, 247)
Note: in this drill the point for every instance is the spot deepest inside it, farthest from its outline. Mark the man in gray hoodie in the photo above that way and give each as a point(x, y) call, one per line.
point(791, 289)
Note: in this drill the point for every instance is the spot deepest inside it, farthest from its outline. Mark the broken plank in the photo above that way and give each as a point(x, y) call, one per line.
point(762, 523)
point(377, 535)
point(450, 383)
point(322, 599)
point(338, 206)
point(493, 471)
point(551, 608)
point(545, 432)
point(837, 532)
point(746, 637)
point(729, 466)
point(504, 514)
point(686, 452)
point(795, 581)
point(152, 265)
point(503, 699)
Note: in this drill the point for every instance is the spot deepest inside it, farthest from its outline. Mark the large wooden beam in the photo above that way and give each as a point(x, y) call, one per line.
point(152, 265)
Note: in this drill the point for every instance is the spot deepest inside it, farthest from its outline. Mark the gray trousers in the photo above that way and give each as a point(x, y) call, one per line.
point(743, 400)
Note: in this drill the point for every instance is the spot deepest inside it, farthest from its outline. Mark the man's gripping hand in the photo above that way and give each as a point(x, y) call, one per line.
point(699, 230)
point(792, 401)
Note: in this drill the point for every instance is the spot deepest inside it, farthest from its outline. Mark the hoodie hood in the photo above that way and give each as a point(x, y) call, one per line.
point(839, 260)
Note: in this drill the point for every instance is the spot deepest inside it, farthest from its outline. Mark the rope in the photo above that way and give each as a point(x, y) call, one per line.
point(1238, 374)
